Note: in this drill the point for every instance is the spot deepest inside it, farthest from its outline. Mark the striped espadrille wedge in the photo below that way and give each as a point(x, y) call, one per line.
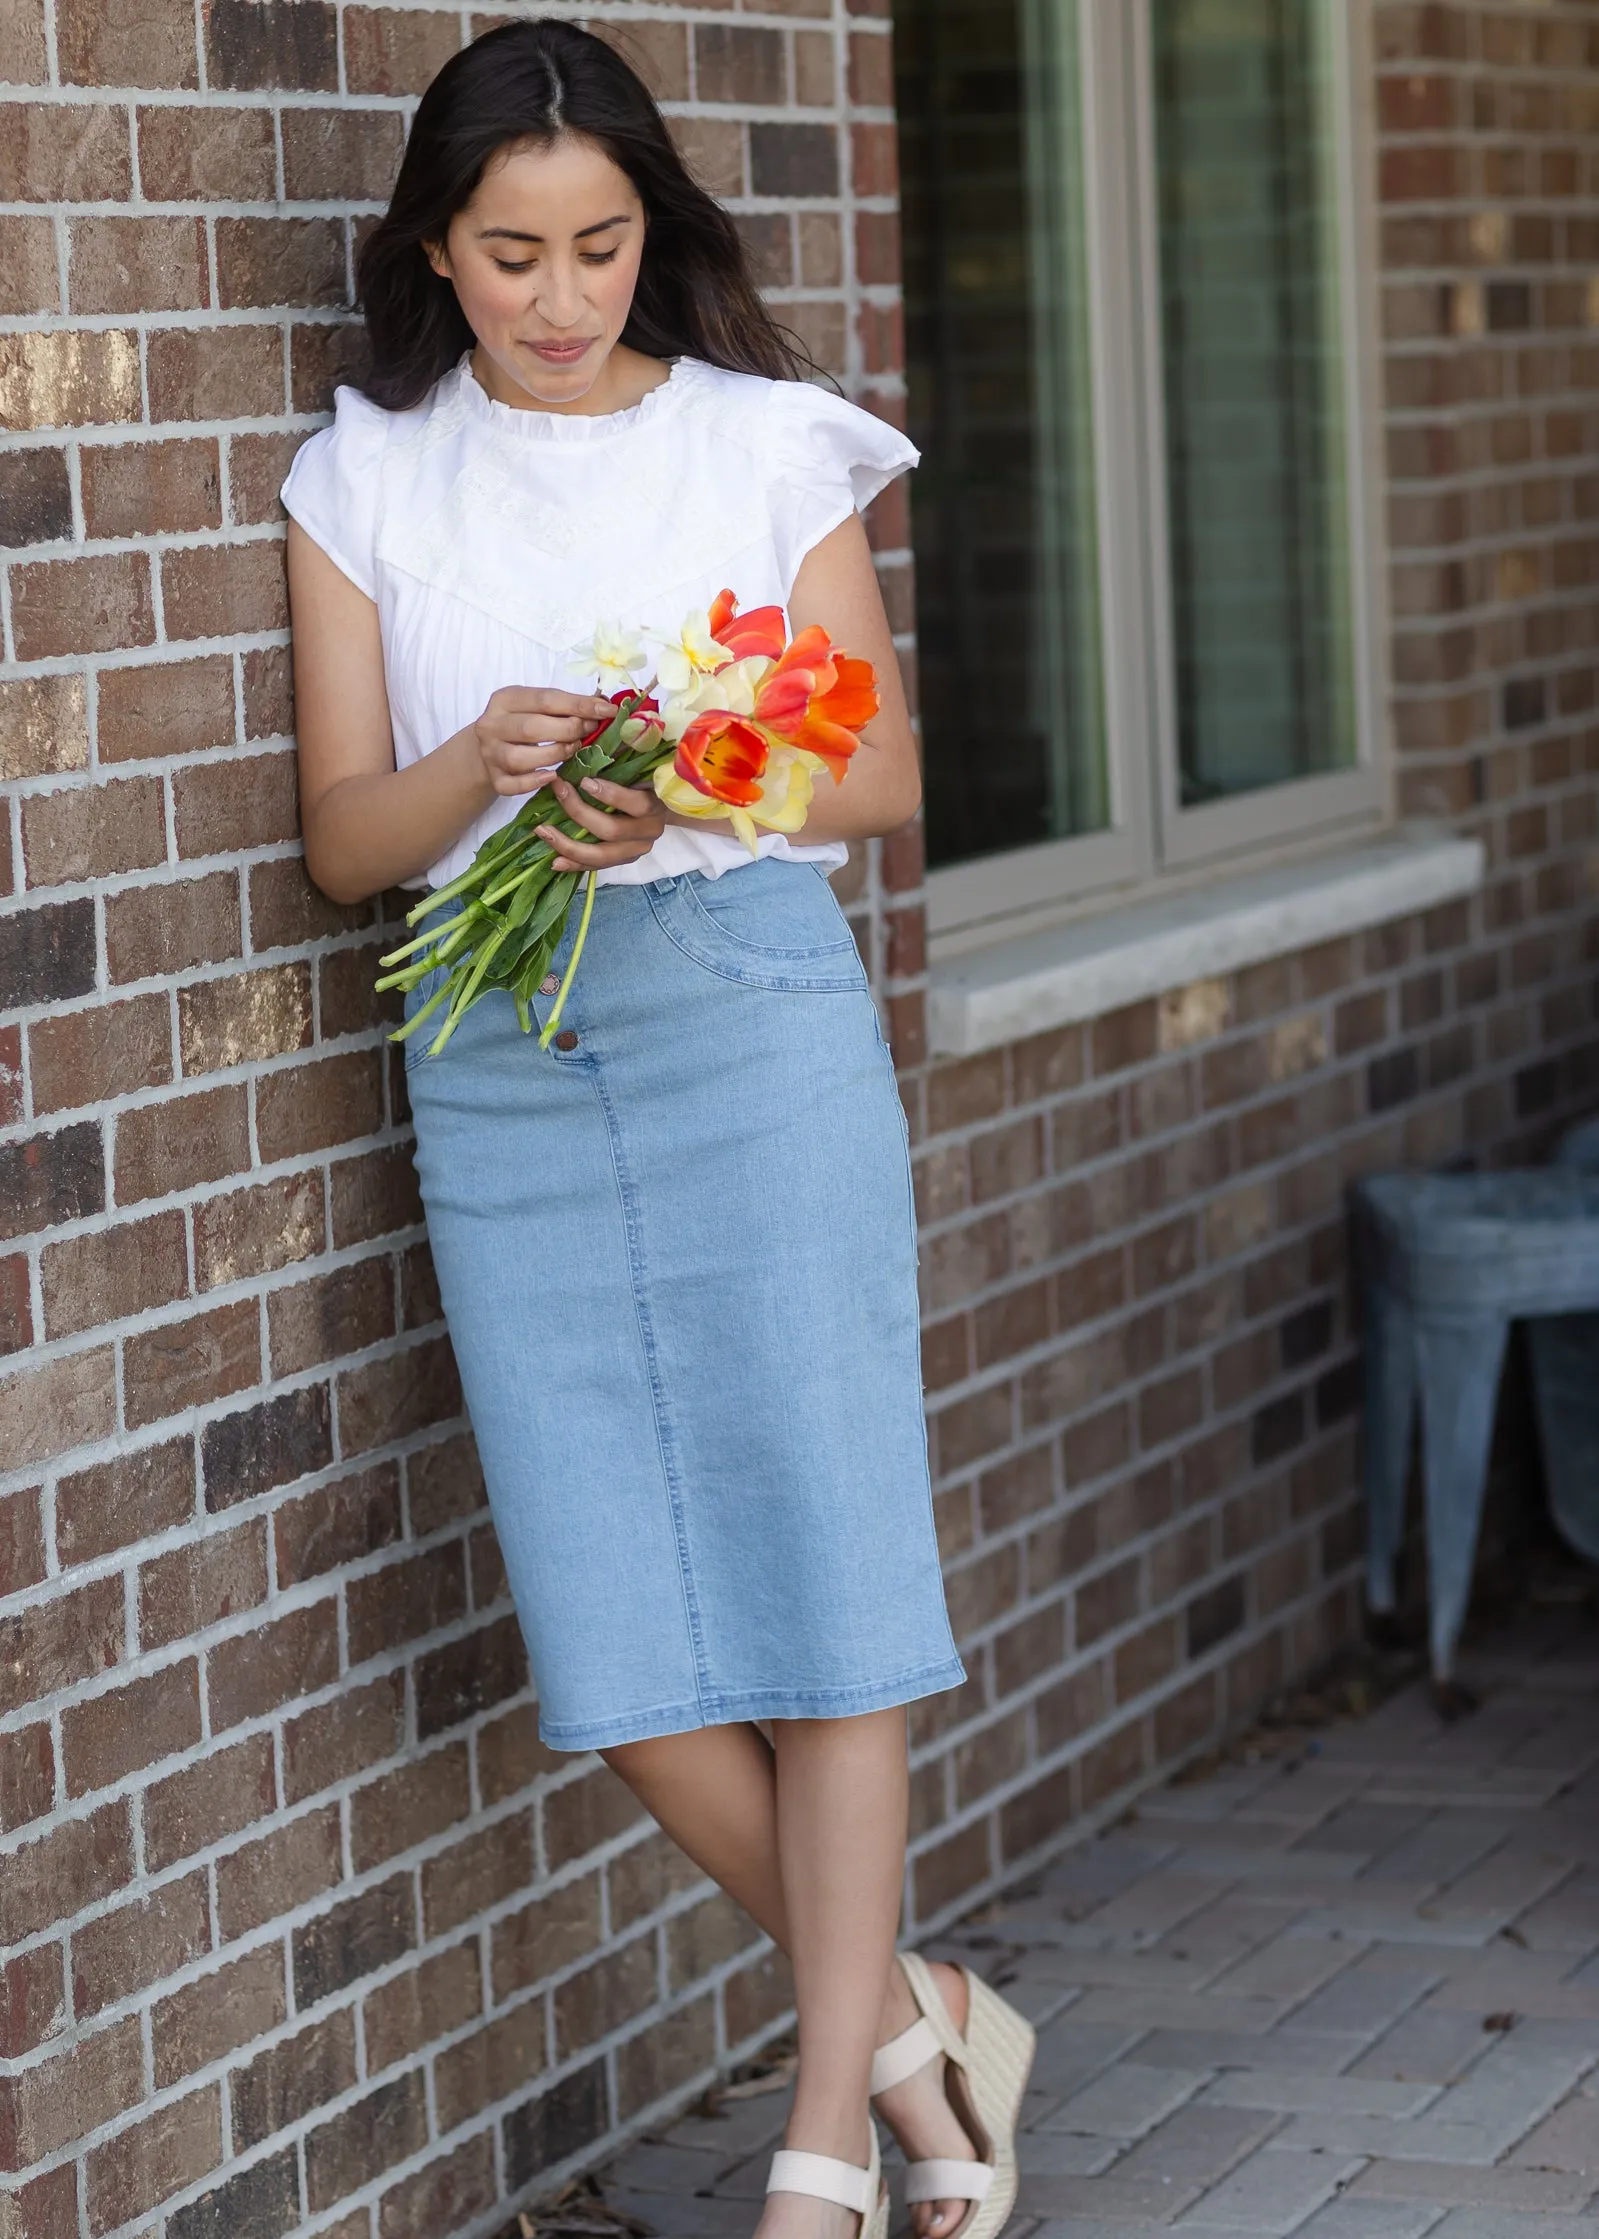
point(985, 2075)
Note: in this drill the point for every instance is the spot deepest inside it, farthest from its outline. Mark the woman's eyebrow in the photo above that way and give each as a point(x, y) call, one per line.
point(510, 233)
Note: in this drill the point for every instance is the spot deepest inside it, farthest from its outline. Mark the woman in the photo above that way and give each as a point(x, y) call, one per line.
point(676, 1249)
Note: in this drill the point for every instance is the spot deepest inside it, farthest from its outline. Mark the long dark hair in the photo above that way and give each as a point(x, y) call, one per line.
point(529, 83)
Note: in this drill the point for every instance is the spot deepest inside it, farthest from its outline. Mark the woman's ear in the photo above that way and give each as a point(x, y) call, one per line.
point(439, 257)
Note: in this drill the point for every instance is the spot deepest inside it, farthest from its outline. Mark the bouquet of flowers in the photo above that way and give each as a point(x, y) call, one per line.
point(734, 725)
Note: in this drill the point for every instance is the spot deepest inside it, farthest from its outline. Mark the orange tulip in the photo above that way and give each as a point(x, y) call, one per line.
point(722, 755)
point(819, 698)
point(760, 631)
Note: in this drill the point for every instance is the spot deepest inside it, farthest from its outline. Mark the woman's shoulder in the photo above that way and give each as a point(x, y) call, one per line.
point(796, 426)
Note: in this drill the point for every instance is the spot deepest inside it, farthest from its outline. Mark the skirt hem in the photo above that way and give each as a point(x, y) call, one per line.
point(767, 1702)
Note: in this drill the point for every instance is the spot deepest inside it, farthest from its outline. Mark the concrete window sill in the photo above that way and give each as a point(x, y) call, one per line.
point(1099, 964)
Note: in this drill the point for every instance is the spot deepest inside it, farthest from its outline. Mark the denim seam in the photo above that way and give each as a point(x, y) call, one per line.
point(663, 1436)
point(730, 1707)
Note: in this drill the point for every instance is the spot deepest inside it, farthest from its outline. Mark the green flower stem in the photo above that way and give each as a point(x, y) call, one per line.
point(559, 1005)
point(404, 1033)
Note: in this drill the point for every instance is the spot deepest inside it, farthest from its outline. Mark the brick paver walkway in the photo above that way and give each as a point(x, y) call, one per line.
point(1347, 1992)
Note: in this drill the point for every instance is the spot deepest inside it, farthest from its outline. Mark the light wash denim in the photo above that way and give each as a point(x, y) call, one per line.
point(679, 1267)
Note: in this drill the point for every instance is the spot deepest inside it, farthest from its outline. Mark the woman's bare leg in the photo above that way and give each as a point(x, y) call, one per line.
point(715, 1791)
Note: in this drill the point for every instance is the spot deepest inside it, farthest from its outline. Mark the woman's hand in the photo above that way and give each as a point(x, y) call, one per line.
point(634, 824)
point(516, 730)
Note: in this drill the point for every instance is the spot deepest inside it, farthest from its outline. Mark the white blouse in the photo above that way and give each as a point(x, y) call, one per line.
point(494, 540)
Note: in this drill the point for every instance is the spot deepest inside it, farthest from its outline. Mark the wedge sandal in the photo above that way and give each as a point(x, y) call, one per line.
point(845, 2183)
point(985, 2075)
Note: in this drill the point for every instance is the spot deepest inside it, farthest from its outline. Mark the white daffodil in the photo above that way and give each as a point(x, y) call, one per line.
point(693, 654)
point(732, 687)
point(614, 655)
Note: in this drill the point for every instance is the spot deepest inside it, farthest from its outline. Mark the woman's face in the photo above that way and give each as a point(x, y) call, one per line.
point(544, 259)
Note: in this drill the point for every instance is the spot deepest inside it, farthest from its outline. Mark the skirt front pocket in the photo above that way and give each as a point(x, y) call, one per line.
point(775, 925)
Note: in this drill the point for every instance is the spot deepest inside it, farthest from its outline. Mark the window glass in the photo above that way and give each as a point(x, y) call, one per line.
point(1254, 404)
point(999, 400)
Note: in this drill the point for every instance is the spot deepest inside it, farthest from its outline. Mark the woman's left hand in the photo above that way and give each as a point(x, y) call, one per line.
point(634, 823)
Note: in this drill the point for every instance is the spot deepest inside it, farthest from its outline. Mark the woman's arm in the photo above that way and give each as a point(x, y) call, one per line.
point(368, 825)
point(882, 788)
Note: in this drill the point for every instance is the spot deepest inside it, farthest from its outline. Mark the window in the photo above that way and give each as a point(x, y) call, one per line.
point(1134, 370)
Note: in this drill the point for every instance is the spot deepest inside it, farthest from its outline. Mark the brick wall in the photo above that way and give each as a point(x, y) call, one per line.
point(299, 1927)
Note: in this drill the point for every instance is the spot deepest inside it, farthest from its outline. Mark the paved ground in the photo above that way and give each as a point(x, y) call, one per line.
point(1350, 1991)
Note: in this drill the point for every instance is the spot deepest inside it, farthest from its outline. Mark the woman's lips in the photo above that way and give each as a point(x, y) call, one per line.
point(560, 353)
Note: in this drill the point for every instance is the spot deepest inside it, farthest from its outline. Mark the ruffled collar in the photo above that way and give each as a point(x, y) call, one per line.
point(462, 388)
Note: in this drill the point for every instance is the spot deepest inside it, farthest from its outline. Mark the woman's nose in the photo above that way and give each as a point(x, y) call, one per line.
point(560, 298)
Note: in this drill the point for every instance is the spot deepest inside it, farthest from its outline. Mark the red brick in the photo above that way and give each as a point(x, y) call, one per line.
point(88, 1056)
point(147, 2163)
point(497, 2060)
point(562, 1927)
point(127, 1950)
point(46, 2207)
point(226, 1791)
point(44, 724)
point(119, 1733)
point(192, 1588)
point(81, 606)
point(93, 831)
point(55, 1644)
point(33, 2006)
point(182, 1141)
point(218, 373)
point(306, 1108)
point(257, 465)
point(279, 1873)
point(112, 1273)
point(52, 2105)
point(169, 707)
point(440, 1996)
point(132, 489)
point(193, 154)
point(477, 1873)
point(387, 51)
point(386, 2127)
point(341, 154)
point(409, 1805)
point(447, 2193)
point(361, 1726)
point(216, 590)
point(126, 43)
point(287, 2081)
point(48, 1410)
point(78, 1863)
point(28, 278)
point(187, 1363)
point(258, 1671)
point(269, 261)
point(137, 264)
point(217, 2013)
point(247, 801)
point(27, 1776)
point(388, 1399)
point(22, 1558)
point(343, 1311)
point(338, 1524)
point(250, 1232)
point(405, 1601)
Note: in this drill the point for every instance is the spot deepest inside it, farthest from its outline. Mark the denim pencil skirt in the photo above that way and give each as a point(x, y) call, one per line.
point(678, 1261)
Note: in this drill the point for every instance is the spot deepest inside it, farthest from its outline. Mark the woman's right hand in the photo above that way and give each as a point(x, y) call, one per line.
point(518, 728)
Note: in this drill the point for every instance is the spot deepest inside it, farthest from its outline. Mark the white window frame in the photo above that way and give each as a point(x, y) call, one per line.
point(1152, 844)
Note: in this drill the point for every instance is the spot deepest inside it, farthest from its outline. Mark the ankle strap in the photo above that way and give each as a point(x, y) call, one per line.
point(903, 2055)
point(822, 2178)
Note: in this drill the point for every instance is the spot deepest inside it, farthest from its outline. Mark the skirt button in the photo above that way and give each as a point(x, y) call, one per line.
point(549, 984)
point(566, 1039)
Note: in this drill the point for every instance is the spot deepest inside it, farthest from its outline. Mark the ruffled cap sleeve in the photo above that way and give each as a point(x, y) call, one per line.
point(829, 459)
point(332, 487)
